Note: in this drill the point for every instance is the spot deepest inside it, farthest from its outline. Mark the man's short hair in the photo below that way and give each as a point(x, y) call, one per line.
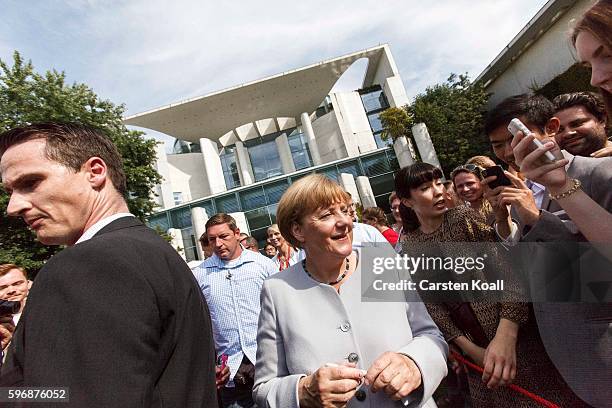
point(71, 145)
point(222, 218)
point(6, 268)
point(536, 110)
point(591, 102)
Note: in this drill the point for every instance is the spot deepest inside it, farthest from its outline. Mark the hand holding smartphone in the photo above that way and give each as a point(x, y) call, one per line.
point(497, 171)
point(516, 125)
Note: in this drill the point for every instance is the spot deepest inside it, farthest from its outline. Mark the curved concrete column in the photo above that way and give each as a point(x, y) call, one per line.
point(403, 151)
point(198, 221)
point(176, 240)
point(244, 164)
point(347, 181)
point(310, 137)
point(212, 166)
point(365, 192)
point(284, 152)
point(424, 144)
point(241, 222)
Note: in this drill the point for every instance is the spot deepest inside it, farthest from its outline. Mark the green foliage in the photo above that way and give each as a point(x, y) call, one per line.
point(454, 114)
point(576, 78)
point(28, 97)
point(396, 122)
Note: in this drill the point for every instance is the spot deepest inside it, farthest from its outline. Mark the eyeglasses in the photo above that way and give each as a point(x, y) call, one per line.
point(472, 168)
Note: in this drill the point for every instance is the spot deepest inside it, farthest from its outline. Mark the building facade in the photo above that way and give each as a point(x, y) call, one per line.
point(239, 149)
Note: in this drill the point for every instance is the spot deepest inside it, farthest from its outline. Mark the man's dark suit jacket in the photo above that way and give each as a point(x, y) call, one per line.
point(120, 320)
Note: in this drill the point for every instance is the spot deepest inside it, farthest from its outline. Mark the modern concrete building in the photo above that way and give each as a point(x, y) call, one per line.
point(538, 54)
point(239, 149)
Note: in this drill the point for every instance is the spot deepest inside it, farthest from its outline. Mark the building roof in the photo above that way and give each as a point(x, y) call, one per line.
point(287, 94)
point(533, 30)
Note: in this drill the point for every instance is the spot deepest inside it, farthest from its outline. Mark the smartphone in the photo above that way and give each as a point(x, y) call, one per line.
point(516, 125)
point(498, 171)
point(222, 361)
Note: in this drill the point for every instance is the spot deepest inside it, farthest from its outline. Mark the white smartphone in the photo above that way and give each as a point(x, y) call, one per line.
point(516, 125)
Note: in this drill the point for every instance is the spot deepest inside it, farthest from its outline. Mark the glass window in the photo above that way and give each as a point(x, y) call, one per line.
point(178, 197)
point(189, 244)
point(299, 151)
point(351, 168)
point(330, 172)
point(207, 205)
point(382, 184)
point(180, 218)
point(230, 167)
point(265, 160)
point(374, 100)
point(375, 123)
point(375, 165)
point(227, 204)
point(380, 143)
point(253, 198)
point(259, 218)
point(275, 191)
point(159, 221)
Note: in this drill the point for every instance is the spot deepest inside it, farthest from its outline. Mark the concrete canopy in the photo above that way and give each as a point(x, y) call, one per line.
point(288, 94)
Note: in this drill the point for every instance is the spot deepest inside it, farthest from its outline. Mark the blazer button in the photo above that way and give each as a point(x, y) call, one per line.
point(345, 327)
point(360, 395)
point(353, 358)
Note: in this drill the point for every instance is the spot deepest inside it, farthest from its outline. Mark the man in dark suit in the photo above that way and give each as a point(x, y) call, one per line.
point(117, 317)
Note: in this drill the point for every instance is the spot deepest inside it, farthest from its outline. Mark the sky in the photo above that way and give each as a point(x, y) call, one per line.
point(150, 53)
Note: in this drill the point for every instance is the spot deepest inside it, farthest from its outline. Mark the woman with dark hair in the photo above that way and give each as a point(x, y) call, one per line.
point(484, 330)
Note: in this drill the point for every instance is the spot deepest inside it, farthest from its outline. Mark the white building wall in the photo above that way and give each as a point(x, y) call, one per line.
point(551, 55)
point(353, 123)
point(395, 92)
point(329, 138)
point(386, 67)
point(164, 190)
point(213, 172)
point(187, 175)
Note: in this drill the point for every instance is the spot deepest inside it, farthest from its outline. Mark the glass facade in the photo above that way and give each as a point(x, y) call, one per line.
point(264, 156)
point(374, 102)
point(230, 167)
point(259, 202)
point(299, 150)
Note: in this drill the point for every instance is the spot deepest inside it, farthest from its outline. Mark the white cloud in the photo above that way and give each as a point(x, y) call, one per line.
point(149, 53)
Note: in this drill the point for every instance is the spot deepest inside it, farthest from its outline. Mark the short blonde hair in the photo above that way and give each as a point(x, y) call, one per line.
point(304, 197)
point(483, 161)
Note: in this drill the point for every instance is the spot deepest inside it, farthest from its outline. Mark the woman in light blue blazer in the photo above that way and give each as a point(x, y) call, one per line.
point(318, 343)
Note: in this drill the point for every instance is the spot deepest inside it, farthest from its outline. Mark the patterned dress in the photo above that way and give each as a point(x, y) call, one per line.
point(535, 371)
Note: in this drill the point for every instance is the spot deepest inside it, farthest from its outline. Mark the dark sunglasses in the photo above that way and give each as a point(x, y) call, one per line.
point(472, 168)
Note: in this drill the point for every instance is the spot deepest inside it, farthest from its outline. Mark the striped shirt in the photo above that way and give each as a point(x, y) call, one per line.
point(232, 289)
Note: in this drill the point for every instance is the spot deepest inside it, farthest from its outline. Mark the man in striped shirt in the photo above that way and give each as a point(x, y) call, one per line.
point(231, 281)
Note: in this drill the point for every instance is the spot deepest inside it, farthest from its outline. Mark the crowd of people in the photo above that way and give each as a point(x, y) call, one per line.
point(119, 318)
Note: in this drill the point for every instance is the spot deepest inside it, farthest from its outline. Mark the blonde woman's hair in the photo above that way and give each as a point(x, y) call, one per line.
point(304, 197)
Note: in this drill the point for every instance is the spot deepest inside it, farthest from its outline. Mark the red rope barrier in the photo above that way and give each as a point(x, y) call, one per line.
point(514, 387)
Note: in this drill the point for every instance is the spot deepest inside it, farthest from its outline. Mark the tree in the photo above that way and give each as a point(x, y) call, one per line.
point(396, 122)
point(27, 97)
point(454, 114)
